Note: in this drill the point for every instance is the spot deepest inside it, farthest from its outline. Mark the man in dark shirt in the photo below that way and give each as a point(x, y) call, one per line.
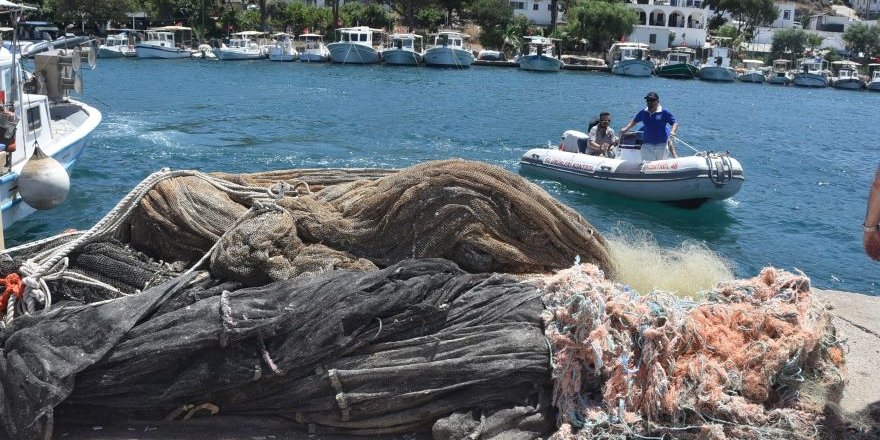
point(656, 122)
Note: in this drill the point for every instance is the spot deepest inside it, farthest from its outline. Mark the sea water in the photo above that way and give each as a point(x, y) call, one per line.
point(809, 154)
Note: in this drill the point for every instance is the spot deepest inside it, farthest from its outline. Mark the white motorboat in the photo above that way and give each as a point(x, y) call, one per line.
point(752, 72)
point(117, 46)
point(717, 67)
point(355, 45)
point(874, 83)
point(204, 52)
point(812, 72)
point(491, 55)
point(403, 50)
point(242, 46)
point(847, 76)
point(313, 49)
point(540, 56)
point(283, 49)
point(630, 59)
point(779, 74)
point(687, 181)
point(42, 131)
point(167, 42)
point(449, 49)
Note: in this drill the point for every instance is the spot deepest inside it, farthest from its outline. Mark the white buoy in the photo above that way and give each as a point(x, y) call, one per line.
point(43, 182)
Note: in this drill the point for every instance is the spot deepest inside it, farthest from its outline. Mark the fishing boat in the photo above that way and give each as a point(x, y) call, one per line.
point(847, 76)
point(752, 72)
point(540, 55)
point(242, 46)
point(717, 67)
point(686, 181)
point(403, 50)
point(813, 72)
point(355, 45)
point(313, 49)
point(42, 130)
point(630, 59)
point(679, 64)
point(168, 42)
point(779, 73)
point(449, 49)
point(874, 83)
point(283, 49)
point(117, 46)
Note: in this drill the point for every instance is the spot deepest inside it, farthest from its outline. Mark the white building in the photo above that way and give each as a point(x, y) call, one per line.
point(537, 11)
point(666, 23)
point(868, 9)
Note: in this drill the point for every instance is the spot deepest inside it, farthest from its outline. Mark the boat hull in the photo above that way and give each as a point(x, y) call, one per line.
point(285, 54)
point(752, 77)
point(717, 73)
point(874, 86)
point(161, 52)
point(349, 53)
point(236, 55)
point(678, 71)
point(401, 57)
point(539, 63)
point(781, 80)
point(448, 57)
point(66, 151)
point(809, 80)
point(312, 57)
point(849, 84)
point(107, 52)
point(688, 181)
point(638, 68)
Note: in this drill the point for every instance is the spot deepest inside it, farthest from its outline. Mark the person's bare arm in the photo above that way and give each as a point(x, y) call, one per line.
point(871, 237)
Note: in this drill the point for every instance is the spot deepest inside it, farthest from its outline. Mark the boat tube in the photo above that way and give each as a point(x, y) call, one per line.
point(687, 181)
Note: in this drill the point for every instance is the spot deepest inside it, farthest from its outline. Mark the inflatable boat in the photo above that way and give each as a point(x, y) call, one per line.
point(687, 181)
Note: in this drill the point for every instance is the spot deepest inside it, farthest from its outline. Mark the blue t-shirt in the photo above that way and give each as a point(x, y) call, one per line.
point(655, 125)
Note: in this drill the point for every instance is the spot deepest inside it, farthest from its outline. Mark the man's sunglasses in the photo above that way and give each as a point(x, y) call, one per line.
point(650, 99)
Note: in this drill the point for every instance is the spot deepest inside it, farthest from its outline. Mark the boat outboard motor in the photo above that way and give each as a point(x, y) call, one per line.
point(574, 141)
point(43, 183)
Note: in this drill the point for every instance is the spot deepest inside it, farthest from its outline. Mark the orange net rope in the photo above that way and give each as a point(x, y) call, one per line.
point(752, 360)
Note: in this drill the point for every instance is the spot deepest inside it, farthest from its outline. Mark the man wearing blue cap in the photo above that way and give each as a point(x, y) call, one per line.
point(656, 122)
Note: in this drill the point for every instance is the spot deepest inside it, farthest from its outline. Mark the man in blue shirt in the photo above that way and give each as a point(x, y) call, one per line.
point(655, 123)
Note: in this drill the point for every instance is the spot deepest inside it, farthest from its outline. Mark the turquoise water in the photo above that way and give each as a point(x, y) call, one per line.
point(809, 155)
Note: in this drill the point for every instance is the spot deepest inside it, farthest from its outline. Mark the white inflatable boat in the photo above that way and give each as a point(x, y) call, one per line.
point(687, 181)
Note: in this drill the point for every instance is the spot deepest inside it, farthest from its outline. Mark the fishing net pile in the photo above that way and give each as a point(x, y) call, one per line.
point(388, 301)
point(757, 358)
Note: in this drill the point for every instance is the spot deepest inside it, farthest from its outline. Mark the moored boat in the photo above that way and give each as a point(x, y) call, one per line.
point(687, 181)
point(847, 76)
point(540, 55)
point(874, 83)
point(752, 72)
point(679, 64)
point(779, 74)
point(355, 45)
point(242, 46)
point(630, 59)
point(167, 42)
point(117, 46)
point(717, 67)
point(313, 49)
point(449, 49)
point(43, 132)
point(283, 49)
point(403, 50)
point(812, 72)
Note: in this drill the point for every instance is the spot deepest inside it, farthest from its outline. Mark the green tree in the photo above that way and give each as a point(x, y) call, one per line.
point(98, 11)
point(430, 18)
point(492, 16)
point(748, 14)
point(814, 41)
point(788, 41)
point(862, 38)
point(600, 23)
point(360, 14)
point(300, 16)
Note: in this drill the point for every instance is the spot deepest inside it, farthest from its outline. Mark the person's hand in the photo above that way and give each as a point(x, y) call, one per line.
point(872, 244)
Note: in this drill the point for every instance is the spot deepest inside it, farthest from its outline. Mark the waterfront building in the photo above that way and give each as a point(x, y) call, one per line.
point(670, 23)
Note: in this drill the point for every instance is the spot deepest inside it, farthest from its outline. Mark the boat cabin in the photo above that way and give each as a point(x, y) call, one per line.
point(874, 69)
point(816, 65)
point(753, 64)
point(362, 35)
point(452, 39)
point(245, 40)
point(38, 31)
point(780, 66)
point(34, 124)
point(680, 55)
point(628, 51)
point(311, 41)
point(540, 45)
point(170, 36)
point(846, 69)
point(411, 42)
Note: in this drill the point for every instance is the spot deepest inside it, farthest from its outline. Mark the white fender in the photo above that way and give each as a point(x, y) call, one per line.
point(43, 183)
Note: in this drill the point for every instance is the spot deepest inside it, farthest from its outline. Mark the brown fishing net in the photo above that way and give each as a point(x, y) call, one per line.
point(482, 217)
point(756, 360)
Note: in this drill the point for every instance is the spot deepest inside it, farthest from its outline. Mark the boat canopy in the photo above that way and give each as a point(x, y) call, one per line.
point(310, 36)
point(249, 33)
point(846, 63)
point(753, 61)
